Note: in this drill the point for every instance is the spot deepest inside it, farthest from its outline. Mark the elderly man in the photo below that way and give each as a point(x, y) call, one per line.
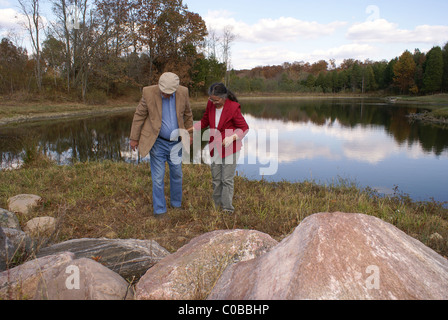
point(162, 111)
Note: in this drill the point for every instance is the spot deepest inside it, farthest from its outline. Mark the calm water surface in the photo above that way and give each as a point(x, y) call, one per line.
point(366, 142)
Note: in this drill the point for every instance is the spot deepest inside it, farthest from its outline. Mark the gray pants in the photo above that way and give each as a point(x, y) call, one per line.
point(223, 173)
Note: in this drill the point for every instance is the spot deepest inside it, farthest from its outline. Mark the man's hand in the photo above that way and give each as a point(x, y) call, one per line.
point(134, 144)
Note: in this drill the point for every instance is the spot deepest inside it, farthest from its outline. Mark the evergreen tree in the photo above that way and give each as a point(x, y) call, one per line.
point(433, 71)
point(389, 73)
point(356, 77)
point(445, 68)
point(379, 70)
point(419, 59)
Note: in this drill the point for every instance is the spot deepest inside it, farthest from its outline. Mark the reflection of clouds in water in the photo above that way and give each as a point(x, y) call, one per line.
point(299, 141)
point(9, 162)
point(291, 151)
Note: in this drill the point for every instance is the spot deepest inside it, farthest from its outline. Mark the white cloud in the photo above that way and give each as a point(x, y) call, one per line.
point(268, 55)
point(289, 29)
point(270, 30)
point(276, 55)
point(381, 30)
point(10, 18)
point(13, 25)
point(346, 51)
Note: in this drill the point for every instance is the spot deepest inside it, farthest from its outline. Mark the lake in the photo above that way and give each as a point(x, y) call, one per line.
point(363, 141)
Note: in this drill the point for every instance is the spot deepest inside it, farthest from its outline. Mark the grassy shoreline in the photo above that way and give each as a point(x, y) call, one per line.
point(113, 200)
point(13, 111)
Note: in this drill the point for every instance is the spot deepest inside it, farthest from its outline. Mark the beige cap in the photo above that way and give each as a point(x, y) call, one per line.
point(168, 82)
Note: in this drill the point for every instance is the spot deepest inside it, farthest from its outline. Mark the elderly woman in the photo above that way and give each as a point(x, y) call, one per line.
point(227, 128)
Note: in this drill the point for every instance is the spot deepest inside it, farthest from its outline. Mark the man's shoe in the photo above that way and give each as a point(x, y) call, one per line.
point(161, 216)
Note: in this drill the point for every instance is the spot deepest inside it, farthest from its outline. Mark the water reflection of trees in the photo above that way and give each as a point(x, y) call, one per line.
point(107, 137)
point(352, 113)
point(69, 141)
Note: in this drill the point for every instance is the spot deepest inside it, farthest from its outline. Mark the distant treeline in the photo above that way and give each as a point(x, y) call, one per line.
point(110, 48)
point(411, 73)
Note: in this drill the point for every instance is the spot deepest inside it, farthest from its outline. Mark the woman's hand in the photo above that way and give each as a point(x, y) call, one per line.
point(229, 140)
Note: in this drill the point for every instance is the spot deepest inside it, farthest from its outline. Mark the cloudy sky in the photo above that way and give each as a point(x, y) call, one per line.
point(271, 32)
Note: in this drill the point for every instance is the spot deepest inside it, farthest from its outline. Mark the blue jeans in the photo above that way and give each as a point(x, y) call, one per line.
point(165, 151)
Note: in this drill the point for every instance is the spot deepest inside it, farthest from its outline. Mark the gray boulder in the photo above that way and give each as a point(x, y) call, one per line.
point(8, 219)
point(20, 241)
point(127, 257)
point(334, 256)
point(13, 243)
point(6, 250)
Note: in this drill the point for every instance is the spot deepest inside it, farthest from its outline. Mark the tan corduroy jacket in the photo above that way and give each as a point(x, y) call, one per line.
point(148, 118)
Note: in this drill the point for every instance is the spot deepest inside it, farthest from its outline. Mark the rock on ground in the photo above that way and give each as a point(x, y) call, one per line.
point(40, 226)
point(9, 220)
point(22, 281)
point(21, 242)
point(340, 256)
point(7, 250)
point(61, 277)
point(127, 257)
point(23, 203)
point(191, 272)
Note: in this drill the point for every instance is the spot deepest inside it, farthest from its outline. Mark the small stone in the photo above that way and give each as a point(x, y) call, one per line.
point(23, 203)
point(435, 236)
point(40, 225)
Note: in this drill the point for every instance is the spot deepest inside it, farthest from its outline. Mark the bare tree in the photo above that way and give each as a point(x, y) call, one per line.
point(227, 38)
point(211, 43)
point(33, 24)
point(62, 30)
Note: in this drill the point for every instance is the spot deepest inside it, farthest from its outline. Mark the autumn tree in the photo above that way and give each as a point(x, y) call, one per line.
point(169, 34)
point(116, 22)
point(13, 67)
point(319, 67)
point(404, 72)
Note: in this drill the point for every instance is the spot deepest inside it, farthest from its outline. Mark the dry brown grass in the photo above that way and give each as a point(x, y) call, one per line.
point(109, 199)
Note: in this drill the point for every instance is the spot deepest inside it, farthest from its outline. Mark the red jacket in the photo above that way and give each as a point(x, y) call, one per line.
point(231, 122)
